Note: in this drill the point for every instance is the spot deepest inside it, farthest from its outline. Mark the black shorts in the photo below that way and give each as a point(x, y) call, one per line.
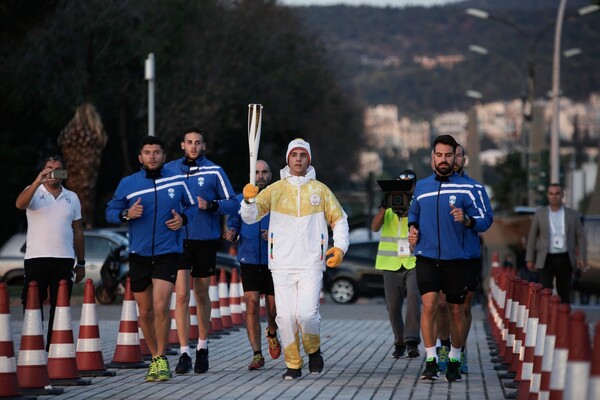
point(476, 265)
point(257, 278)
point(200, 256)
point(450, 276)
point(143, 269)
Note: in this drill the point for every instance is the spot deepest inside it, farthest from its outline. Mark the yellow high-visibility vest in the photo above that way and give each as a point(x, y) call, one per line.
point(387, 252)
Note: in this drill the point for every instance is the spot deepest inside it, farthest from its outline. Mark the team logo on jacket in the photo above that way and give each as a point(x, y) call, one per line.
point(201, 181)
point(315, 199)
point(452, 200)
point(171, 192)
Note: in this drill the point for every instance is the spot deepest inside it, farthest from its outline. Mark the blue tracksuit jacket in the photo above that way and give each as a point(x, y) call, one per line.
point(252, 248)
point(149, 235)
point(440, 237)
point(207, 180)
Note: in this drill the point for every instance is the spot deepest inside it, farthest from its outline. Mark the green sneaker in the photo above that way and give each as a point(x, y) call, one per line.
point(453, 371)
point(152, 374)
point(163, 370)
point(443, 358)
point(464, 366)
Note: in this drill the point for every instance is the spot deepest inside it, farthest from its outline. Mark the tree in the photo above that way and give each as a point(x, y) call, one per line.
point(81, 143)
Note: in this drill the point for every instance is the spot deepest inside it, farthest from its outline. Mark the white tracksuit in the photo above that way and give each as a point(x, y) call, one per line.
point(301, 208)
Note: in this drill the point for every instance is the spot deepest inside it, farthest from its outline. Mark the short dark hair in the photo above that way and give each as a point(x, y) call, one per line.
point(151, 140)
point(193, 129)
point(56, 157)
point(445, 139)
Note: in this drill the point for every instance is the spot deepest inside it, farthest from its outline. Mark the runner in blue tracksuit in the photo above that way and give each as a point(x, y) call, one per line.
point(151, 201)
point(473, 246)
point(443, 208)
point(256, 277)
point(215, 197)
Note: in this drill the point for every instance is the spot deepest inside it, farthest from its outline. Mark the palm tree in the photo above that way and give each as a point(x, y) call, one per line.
point(81, 143)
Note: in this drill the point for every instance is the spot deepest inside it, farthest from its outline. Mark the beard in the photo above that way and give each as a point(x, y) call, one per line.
point(444, 169)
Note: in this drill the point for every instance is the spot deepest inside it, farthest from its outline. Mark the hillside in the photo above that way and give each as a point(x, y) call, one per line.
point(418, 58)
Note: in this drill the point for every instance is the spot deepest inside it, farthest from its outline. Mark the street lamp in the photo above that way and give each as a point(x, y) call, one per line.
point(554, 132)
point(528, 104)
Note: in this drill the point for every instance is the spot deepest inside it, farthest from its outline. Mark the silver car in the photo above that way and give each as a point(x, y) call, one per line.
point(98, 244)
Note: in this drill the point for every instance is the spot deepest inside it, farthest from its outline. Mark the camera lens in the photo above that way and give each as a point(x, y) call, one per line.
point(397, 200)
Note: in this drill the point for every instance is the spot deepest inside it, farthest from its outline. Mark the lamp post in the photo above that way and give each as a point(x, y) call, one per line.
point(528, 103)
point(150, 76)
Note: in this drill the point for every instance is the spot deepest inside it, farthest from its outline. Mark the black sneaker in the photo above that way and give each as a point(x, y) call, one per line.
point(453, 372)
point(431, 370)
point(292, 374)
point(201, 365)
point(412, 350)
point(315, 362)
point(399, 350)
point(184, 365)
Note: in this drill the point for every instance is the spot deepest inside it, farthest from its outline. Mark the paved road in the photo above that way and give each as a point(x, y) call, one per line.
point(356, 341)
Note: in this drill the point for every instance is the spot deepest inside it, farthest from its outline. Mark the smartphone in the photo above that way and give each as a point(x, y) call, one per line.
point(58, 174)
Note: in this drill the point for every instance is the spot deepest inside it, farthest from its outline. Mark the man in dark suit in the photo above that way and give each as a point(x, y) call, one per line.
point(556, 244)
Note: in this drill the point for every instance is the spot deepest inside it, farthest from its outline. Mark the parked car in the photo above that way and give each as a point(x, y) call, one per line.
point(356, 276)
point(98, 244)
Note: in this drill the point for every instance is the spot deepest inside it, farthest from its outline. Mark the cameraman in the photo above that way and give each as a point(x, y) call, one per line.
point(394, 258)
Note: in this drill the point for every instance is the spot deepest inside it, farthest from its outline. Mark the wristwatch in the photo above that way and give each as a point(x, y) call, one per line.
point(123, 215)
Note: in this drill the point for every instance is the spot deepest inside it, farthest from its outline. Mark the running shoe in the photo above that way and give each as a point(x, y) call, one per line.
point(431, 370)
point(163, 372)
point(184, 365)
point(399, 350)
point(152, 374)
point(453, 372)
point(464, 366)
point(315, 362)
point(412, 350)
point(201, 365)
point(443, 358)
point(258, 361)
point(292, 374)
point(274, 345)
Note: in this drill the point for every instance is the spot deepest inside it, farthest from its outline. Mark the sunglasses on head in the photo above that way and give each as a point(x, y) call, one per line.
point(406, 176)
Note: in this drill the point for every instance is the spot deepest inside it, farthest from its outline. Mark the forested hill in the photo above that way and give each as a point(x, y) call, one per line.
point(389, 55)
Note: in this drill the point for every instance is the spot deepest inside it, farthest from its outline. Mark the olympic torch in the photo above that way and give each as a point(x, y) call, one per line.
point(254, 122)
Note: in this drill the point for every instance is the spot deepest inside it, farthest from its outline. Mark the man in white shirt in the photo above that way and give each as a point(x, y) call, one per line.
point(54, 235)
point(556, 244)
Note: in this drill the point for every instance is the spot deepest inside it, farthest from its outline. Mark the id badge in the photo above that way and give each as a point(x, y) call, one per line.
point(559, 242)
point(403, 247)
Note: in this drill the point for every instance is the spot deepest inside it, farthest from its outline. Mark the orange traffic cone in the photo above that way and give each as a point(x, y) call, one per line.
point(262, 310)
point(127, 352)
point(538, 357)
point(194, 332)
point(549, 345)
point(234, 299)
point(89, 350)
point(9, 384)
point(242, 301)
point(495, 259)
point(62, 364)
point(594, 386)
point(216, 322)
point(224, 301)
point(580, 358)
point(561, 354)
point(32, 371)
point(173, 338)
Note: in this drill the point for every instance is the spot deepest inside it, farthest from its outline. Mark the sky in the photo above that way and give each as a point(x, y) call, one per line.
point(377, 3)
